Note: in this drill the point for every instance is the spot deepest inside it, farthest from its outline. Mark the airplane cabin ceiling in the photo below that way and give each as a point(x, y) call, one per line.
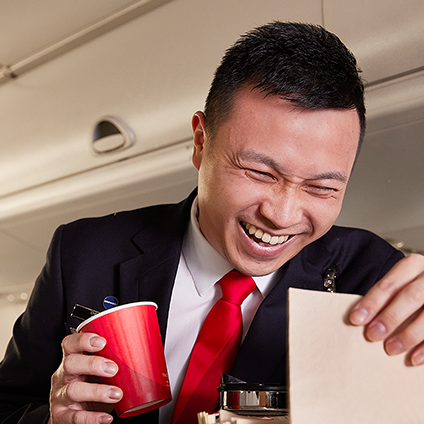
point(152, 69)
point(26, 29)
point(386, 36)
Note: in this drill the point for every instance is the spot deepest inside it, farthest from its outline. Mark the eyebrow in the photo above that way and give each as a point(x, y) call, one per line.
point(266, 160)
point(339, 176)
point(259, 157)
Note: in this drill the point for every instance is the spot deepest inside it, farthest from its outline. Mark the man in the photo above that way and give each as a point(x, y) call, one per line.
point(275, 147)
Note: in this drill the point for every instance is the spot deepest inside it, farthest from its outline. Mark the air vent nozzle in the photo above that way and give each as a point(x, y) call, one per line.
point(111, 134)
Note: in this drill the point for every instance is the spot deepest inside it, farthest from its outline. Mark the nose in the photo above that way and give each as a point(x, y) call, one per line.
point(283, 208)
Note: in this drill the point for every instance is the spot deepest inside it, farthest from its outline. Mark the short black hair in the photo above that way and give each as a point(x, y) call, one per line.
point(300, 62)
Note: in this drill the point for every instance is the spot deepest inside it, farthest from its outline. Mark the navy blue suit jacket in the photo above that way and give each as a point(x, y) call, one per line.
point(134, 256)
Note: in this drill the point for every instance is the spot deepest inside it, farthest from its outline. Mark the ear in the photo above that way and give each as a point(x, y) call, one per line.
point(199, 136)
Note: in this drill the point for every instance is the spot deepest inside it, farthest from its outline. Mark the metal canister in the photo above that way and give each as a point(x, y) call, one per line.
point(253, 399)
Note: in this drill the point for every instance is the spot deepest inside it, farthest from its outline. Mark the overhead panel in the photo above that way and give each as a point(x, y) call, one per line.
point(28, 32)
point(152, 73)
point(386, 36)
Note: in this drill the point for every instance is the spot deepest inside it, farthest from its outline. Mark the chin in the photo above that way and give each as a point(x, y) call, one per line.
point(256, 270)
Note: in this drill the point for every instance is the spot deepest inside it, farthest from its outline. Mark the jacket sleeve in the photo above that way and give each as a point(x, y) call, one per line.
point(34, 352)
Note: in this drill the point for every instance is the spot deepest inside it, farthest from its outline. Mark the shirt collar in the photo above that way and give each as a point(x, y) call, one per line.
point(205, 264)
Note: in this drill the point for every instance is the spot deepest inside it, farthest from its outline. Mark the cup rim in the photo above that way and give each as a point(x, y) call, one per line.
point(114, 309)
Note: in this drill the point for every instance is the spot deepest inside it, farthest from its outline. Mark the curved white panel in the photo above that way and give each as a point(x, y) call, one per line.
point(386, 36)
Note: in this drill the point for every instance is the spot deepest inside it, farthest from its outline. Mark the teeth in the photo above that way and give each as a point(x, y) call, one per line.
point(265, 237)
point(282, 239)
point(274, 240)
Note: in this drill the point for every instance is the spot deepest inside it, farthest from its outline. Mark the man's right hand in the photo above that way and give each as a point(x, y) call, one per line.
point(77, 396)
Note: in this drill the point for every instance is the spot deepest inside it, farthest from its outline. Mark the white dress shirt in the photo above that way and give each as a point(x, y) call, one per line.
point(195, 292)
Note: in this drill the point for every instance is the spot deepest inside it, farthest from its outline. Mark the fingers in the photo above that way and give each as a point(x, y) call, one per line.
point(82, 342)
point(398, 311)
point(72, 388)
point(75, 363)
point(392, 309)
point(78, 392)
point(410, 335)
point(417, 357)
point(381, 294)
point(80, 417)
point(68, 402)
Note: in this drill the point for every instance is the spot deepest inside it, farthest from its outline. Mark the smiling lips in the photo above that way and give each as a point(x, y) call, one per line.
point(263, 236)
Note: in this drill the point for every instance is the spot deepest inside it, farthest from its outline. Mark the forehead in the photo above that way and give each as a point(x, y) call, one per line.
point(251, 102)
point(276, 127)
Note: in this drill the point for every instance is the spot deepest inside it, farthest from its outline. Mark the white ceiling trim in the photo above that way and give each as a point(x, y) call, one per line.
point(138, 169)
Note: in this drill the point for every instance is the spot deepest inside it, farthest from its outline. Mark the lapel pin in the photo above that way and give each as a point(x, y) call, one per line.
point(110, 302)
point(330, 280)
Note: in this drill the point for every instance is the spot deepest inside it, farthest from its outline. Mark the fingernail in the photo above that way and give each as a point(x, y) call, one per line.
point(417, 358)
point(376, 331)
point(105, 419)
point(358, 316)
point(115, 394)
point(110, 368)
point(97, 342)
point(394, 346)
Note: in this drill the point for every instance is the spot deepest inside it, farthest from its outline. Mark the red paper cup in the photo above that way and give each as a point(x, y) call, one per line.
point(134, 343)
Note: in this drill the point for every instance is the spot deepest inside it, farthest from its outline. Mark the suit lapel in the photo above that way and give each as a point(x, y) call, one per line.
point(150, 276)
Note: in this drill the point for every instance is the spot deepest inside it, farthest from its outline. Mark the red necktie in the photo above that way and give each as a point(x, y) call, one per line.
point(215, 350)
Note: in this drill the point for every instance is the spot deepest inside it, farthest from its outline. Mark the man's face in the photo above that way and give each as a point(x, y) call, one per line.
point(273, 178)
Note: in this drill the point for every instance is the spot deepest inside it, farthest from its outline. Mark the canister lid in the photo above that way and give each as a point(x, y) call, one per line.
point(230, 383)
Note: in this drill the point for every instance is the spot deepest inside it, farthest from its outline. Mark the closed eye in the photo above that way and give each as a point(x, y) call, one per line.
point(261, 175)
point(321, 190)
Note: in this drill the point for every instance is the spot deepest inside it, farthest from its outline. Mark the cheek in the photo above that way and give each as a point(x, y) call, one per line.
point(324, 214)
point(208, 186)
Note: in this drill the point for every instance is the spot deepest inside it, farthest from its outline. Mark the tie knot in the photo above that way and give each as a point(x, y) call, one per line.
point(236, 287)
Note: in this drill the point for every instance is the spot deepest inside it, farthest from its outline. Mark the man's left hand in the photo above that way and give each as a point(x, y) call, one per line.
point(393, 309)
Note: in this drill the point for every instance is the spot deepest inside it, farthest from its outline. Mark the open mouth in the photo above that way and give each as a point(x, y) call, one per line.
point(261, 236)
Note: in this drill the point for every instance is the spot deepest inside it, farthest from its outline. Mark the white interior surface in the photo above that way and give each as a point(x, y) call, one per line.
point(152, 71)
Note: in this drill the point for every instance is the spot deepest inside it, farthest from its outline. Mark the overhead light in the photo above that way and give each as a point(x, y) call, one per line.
point(400, 245)
point(14, 296)
point(111, 134)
